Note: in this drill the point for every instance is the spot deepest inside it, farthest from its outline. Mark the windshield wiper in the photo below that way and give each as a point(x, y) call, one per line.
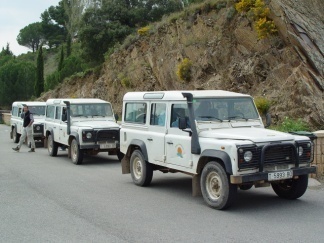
point(80, 116)
point(98, 116)
point(240, 117)
point(211, 118)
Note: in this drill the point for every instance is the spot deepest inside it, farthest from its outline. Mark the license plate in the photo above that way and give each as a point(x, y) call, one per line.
point(107, 145)
point(280, 175)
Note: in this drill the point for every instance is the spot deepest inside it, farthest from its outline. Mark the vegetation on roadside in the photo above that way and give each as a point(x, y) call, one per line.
point(291, 125)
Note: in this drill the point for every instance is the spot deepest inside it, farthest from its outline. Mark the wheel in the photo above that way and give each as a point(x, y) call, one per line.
point(15, 135)
point(52, 146)
point(76, 153)
point(141, 171)
point(120, 155)
point(291, 189)
point(216, 189)
point(245, 187)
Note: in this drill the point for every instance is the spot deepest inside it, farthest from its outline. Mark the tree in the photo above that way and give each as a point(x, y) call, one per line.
point(31, 36)
point(39, 83)
point(6, 52)
point(60, 65)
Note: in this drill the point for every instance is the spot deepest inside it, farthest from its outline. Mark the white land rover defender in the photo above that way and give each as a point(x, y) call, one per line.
point(16, 120)
point(85, 126)
point(217, 137)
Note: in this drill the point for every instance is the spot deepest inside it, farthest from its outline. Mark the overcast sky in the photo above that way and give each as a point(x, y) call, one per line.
point(15, 15)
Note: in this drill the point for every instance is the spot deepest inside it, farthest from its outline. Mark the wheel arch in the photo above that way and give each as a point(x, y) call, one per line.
point(72, 136)
point(215, 155)
point(133, 145)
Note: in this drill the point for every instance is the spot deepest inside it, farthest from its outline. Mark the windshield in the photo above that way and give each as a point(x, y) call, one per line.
point(224, 109)
point(91, 110)
point(37, 110)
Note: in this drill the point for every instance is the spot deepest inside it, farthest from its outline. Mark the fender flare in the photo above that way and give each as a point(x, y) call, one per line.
point(140, 144)
point(50, 130)
point(74, 135)
point(223, 156)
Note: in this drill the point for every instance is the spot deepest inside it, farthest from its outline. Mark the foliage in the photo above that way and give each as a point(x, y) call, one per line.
point(124, 80)
point(258, 11)
point(184, 69)
point(39, 83)
point(31, 36)
point(144, 30)
point(230, 13)
point(291, 125)
point(263, 105)
point(60, 65)
point(16, 80)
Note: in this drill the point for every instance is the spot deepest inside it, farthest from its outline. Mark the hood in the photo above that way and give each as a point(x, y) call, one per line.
point(257, 135)
point(95, 124)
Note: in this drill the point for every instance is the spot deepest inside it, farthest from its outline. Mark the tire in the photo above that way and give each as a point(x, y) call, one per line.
point(76, 153)
point(291, 189)
point(52, 146)
point(141, 170)
point(216, 189)
point(246, 187)
point(120, 155)
point(15, 135)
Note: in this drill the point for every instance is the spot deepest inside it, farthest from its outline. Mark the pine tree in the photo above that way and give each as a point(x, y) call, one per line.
point(39, 84)
point(68, 45)
point(60, 65)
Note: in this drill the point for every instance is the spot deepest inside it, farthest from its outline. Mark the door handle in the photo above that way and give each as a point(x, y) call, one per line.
point(150, 139)
point(169, 142)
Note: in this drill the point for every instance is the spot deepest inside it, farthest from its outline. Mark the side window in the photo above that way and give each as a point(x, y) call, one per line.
point(135, 112)
point(177, 111)
point(58, 112)
point(14, 111)
point(50, 111)
point(158, 114)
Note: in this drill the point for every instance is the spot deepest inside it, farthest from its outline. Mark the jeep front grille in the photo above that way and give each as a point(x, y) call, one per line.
point(280, 154)
point(108, 135)
point(38, 128)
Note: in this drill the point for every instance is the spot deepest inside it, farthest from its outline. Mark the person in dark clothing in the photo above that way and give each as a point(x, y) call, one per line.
point(27, 130)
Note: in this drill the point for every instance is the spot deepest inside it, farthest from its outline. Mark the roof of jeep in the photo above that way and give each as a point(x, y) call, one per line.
point(28, 103)
point(75, 101)
point(177, 94)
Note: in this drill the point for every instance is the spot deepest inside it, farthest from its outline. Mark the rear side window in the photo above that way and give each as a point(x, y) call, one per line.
point(50, 111)
point(58, 112)
point(135, 113)
point(15, 111)
point(158, 114)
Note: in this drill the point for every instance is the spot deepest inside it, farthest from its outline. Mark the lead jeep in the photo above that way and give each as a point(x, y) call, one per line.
point(16, 120)
point(215, 136)
point(84, 126)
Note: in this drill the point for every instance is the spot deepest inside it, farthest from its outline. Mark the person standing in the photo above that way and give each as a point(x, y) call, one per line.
point(27, 130)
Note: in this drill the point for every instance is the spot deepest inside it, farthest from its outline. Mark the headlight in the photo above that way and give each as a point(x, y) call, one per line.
point(300, 150)
point(37, 128)
point(89, 135)
point(248, 156)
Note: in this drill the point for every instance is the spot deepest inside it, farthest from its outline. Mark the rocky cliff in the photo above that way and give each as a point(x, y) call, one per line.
point(226, 54)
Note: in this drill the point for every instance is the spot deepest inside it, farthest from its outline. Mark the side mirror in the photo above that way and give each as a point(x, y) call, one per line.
point(182, 123)
point(268, 120)
point(116, 117)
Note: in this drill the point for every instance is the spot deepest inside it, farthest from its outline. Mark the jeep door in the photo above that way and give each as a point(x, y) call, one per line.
point(156, 133)
point(63, 136)
point(178, 142)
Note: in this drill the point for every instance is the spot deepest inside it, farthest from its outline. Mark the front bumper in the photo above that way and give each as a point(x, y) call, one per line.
point(263, 176)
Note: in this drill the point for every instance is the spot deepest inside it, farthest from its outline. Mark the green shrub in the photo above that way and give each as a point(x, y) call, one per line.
point(291, 125)
point(144, 30)
point(230, 13)
point(124, 80)
point(263, 105)
point(184, 69)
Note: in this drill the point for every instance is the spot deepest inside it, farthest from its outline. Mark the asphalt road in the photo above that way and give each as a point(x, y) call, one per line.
point(49, 199)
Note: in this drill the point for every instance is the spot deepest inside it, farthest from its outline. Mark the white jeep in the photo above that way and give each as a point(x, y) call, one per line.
point(217, 137)
point(16, 120)
point(84, 126)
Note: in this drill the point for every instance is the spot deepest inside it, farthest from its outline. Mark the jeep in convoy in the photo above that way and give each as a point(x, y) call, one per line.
point(215, 136)
point(16, 121)
point(84, 126)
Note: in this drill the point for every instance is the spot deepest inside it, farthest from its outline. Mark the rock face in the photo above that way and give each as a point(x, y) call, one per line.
point(226, 54)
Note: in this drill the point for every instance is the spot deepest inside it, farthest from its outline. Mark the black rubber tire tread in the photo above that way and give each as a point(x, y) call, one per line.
point(147, 169)
point(79, 158)
point(291, 189)
point(229, 191)
point(51, 142)
point(15, 135)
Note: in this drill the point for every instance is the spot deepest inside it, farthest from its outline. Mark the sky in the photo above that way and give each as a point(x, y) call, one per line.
point(15, 15)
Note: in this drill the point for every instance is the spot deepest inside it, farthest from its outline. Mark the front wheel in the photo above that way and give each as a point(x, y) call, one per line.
point(52, 146)
point(291, 189)
point(216, 189)
point(76, 153)
point(141, 171)
point(15, 135)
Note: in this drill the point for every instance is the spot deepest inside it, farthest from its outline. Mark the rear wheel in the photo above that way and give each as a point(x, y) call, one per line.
point(216, 189)
point(291, 189)
point(141, 170)
point(15, 135)
point(76, 153)
point(52, 146)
